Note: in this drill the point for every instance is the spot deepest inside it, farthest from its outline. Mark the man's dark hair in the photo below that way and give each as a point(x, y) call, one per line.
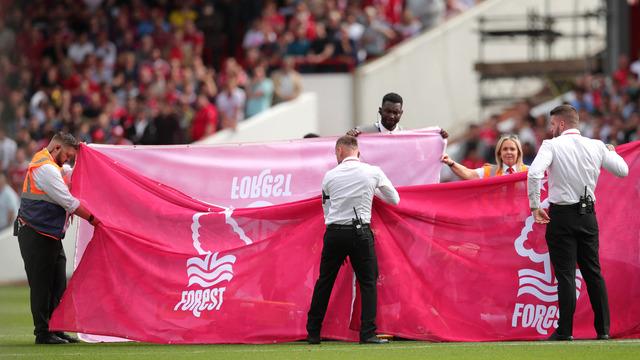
point(392, 98)
point(65, 139)
point(567, 112)
point(347, 140)
point(310, 136)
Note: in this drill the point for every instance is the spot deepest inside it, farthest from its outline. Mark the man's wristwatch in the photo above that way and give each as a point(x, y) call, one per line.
point(91, 218)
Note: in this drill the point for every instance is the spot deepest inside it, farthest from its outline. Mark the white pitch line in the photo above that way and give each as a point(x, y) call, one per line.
point(344, 348)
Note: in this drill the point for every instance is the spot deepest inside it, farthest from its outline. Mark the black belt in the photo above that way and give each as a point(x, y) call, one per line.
point(561, 206)
point(345, 227)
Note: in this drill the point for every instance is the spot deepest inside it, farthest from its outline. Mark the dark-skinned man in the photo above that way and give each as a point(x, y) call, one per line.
point(390, 114)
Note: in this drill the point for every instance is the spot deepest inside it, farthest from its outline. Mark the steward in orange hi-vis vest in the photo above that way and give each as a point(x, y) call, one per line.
point(38, 210)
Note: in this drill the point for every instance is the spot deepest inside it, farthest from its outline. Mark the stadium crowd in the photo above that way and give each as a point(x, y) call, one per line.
point(172, 72)
point(609, 109)
point(169, 72)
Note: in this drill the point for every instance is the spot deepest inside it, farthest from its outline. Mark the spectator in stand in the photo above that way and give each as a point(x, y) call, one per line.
point(287, 82)
point(508, 158)
point(142, 131)
point(346, 50)
point(179, 17)
point(167, 125)
point(7, 37)
point(259, 92)
point(117, 137)
point(356, 29)
point(18, 169)
point(7, 150)
point(429, 12)
point(9, 203)
point(80, 48)
point(205, 121)
point(274, 19)
point(230, 103)
point(300, 45)
point(106, 50)
point(582, 100)
point(409, 26)
point(377, 33)
point(321, 49)
point(233, 69)
point(194, 42)
point(212, 23)
point(635, 66)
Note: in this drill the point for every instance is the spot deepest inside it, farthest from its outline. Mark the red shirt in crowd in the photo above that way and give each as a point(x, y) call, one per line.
point(205, 122)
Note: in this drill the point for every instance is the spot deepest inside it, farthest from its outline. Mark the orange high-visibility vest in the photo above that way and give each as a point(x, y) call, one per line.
point(492, 170)
point(37, 209)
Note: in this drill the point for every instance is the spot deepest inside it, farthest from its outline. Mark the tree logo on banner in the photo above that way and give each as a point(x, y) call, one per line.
point(541, 285)
point(209, 270)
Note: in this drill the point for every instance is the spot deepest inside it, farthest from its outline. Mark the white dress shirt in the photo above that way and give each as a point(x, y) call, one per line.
point(49, 179)
point(353, 184)
point(384, 130)
point(573, 162)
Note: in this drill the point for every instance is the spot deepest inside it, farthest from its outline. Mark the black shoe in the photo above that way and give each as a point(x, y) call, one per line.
point(557, 337)
point(374, 340)
point(603, 337)
point(50, 339)
point(69, 338)
point(313, 340)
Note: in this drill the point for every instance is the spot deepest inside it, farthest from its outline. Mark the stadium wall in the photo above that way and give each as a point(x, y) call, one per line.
point(435, 73)
point(289, 120)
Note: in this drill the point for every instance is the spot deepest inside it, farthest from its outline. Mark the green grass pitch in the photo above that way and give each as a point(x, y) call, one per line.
point(16, 342)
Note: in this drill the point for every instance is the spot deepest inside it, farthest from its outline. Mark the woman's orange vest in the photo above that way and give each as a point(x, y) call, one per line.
point(492, 170)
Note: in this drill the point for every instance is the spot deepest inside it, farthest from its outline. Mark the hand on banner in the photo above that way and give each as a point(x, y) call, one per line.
point(354, 132)
point(540, 216)
point(447, 160)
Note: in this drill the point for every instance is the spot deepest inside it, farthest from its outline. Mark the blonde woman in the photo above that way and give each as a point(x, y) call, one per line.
point(508, 158)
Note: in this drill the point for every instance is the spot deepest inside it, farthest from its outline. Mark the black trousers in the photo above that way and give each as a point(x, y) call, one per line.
point(338, 244)
point(44, 262)
point(573, 238)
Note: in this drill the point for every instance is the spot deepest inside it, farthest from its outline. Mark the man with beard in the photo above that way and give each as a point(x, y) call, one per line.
point(45, 207)
point(390, 113)
point(573, 163)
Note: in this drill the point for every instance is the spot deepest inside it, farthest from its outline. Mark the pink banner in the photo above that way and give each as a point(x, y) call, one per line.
point(261, 174)
point(458, 262)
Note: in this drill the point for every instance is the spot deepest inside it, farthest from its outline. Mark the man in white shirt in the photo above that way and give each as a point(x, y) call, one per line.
point(347, 195)
point(573, 163)
point(45, 206)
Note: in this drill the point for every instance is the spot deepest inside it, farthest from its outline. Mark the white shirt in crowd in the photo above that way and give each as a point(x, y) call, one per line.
point(353, 184)
point(573, 162)
point(9, 204)
point(635, 68)
point(8, 149)
point(232, 104)
point(78, 51)
point(108, 53)
point(49, 179)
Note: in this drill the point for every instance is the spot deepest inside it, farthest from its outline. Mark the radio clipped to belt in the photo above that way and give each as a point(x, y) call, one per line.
point(586, 203)
point(357, 223)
